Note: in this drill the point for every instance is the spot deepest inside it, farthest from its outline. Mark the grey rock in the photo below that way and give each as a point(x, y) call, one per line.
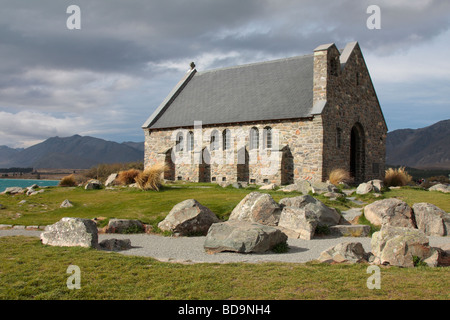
point(325, 215)
point(364, 188)
point(14, 190)
point(372, 185)
point(290, 188)
point(66, 204)
point(440, 187)
point(397, 246)
point(242, 237)
point(333, 195)
point(304, 186)
point(115, 244)
point(188, 217)
point(93, 184)
point(301, 222)
point(430, 219)
point(346, 252)
point(270, 186)
point(71, 232)
point(351, 215)
point(124, 226)
point(378, 185)
point(236, 185)
point(393, 212)
point(110, 180)
point(257, 207)
point(323, 187)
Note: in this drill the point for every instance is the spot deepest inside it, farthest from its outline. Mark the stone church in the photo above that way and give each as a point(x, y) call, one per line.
point(272, 122)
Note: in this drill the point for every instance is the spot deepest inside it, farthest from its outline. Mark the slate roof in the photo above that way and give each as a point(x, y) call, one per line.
point(272, 90)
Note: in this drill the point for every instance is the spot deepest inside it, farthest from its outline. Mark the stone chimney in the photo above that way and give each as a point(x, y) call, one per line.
point(326, 65)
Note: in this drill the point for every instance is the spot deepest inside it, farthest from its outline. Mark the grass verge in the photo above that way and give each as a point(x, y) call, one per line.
point(30, 270)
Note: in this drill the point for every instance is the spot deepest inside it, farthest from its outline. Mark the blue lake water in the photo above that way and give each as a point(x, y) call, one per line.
point(23, 183)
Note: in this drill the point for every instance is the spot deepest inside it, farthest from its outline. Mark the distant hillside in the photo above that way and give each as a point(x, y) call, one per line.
point(70, 152)
point(424, 148)
point(6, 153)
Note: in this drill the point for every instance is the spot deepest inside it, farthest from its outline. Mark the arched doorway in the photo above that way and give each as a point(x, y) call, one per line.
point(357, 153)
point(287, 166)
point(204, 168)
point(243, 170)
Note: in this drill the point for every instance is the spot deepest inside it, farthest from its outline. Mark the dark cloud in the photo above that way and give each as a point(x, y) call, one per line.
point(129, 54)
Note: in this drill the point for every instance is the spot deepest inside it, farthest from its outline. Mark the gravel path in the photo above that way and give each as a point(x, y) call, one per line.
point(190, 249)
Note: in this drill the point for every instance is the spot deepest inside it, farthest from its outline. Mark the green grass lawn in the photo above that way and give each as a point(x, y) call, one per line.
point(151, 206)
point(29, 270)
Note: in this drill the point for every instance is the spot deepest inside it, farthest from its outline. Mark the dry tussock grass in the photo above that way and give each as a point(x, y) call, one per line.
point(340, 175)
point(151, 178)
point(68, 181)
point(127, 176)
point(396, 177)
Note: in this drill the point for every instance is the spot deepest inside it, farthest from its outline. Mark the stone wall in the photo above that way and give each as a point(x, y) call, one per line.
point(351, 103)
point(296, 153)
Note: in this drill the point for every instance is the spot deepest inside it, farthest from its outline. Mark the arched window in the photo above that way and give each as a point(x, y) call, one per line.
point(226, 139)
point(254, 138)
point(179, 142)
point(267, 134)
point(214, 140)
point(190, 141)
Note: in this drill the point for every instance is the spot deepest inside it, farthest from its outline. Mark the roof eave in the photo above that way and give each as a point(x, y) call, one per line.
point(168, 100)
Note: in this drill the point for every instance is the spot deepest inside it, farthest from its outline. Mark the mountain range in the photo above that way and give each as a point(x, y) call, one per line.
point(424, 148)
point(71, 152)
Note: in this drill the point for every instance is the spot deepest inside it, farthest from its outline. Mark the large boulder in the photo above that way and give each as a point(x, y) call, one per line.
point(115, 244)
point(14, 190)
point(372, 185)
point(299, 222)
point(187, 218)
point(323, 187)
point(325, 215)
point(242, 237)
point(71, 232)
point(430, 219)
point(440, 187)
point(346, 252)
point(399, 246)
point(110, 180)
point(124, 226)
point(302, 186)
point(93, 184)
point(257, 207)
point(393, 212)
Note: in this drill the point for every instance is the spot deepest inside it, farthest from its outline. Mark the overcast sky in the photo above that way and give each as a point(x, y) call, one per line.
point(105, 79)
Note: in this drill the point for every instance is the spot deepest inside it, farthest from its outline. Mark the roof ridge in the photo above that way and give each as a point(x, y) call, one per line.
point(199, 73)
